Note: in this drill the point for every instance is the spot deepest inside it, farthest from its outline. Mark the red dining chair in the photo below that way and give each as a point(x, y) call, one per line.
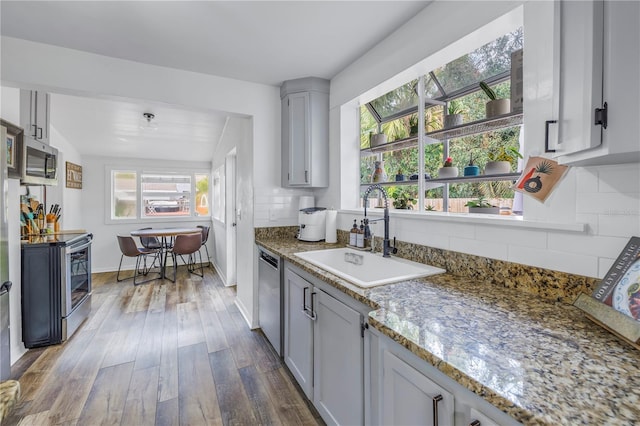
point(129, 248)
point(187, 245)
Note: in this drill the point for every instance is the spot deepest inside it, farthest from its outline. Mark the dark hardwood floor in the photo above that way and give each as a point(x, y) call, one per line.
point(160, 353)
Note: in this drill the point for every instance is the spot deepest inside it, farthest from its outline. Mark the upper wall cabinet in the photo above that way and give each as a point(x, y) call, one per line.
point(34, 114)
point(598, 85)
point(305, 132)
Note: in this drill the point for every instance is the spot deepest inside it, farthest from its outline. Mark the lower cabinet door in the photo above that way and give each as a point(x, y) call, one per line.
point(298, 334)
point(410, 398)
point(480, 419)
point(338, 362)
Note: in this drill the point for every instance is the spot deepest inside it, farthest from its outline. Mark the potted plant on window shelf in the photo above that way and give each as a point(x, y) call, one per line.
point(454, 114)
point(413, 125)
point(481, 205)
point(448, 170)
point(500, 160)
point(377, 139)
point(403, 198)
point(495, 106)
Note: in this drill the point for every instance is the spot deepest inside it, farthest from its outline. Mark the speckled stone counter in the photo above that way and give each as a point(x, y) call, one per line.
point(539, 361)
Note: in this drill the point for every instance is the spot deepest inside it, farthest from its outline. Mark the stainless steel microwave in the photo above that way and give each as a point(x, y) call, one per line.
point(39, 163)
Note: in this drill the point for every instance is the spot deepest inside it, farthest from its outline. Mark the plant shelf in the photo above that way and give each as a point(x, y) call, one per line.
point(479, 178)
point(428, 183)
point(435, 183)
point(480, 126)
point(437, 136)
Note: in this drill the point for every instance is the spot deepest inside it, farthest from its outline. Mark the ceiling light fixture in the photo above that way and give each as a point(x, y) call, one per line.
point(147, 121)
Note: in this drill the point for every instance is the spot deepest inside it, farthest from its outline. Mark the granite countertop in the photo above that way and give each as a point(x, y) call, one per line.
point(538, 361)
point(59, 238)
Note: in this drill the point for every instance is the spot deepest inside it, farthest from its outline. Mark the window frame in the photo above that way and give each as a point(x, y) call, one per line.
point(423, 138)
point(139, 171)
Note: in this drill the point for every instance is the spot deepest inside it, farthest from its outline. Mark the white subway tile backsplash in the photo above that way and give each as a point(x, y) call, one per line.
point(608, 203)
point(604, 264)
point(521, 237)
point(591, 220)
point(619, 225)
point(596, 245)
point(587, 180)
point(557, 260)
point(619, 178)
point(479, 248)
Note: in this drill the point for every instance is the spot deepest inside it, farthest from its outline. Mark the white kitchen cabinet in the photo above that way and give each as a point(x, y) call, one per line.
point(476, 418)
point(337, 360)
point(595, 56)
point(298, 331)
point(404, 389)
point(305, 132)
point(324, 349)
point(410, 398)
point(34, 114)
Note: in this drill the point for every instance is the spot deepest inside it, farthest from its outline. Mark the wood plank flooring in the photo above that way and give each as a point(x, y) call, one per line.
point(160, 353)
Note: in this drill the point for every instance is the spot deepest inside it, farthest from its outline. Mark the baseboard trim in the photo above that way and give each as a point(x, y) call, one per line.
point(244, 312)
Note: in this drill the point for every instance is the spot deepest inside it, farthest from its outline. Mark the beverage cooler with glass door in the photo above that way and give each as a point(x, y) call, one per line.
point(56, 287)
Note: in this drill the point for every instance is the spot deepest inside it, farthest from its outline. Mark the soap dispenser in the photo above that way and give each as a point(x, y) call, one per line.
point(353, 234)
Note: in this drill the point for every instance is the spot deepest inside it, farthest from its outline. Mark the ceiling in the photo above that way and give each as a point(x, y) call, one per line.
point(260, 41)
point(117, 128)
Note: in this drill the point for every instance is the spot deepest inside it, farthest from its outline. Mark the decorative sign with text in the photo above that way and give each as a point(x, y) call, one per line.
point(74, 176)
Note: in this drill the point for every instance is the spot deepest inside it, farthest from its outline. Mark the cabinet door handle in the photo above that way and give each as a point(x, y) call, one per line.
point(475, 423)
point(40, 129)
point(304, 299)
point(35, 130)
point(546, 135)
point(306, 176)
point(312, 310)
point(436, 399)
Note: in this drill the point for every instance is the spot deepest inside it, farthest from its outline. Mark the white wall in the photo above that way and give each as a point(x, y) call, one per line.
point(10, 111)
point(607, 198)
point(71, 199)
point(73, 72)
point(95, 210)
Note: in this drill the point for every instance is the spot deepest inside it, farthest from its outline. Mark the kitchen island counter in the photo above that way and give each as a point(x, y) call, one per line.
point(541, 362)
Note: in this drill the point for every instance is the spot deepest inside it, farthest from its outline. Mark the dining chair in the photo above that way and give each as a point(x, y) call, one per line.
point(205, 238)
point(129, 248)
point(150, 242)
point(187, 245)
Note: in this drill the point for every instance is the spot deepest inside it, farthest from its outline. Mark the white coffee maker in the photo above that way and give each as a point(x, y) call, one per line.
point(311, 223)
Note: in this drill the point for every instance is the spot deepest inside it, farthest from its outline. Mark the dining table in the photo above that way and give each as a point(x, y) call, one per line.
point(166, 236)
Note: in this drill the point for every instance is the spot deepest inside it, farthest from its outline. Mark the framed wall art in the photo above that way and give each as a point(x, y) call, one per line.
point(74, 175)
point(13, 145)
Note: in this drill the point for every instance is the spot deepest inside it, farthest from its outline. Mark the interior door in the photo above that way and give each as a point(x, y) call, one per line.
point(232, 217)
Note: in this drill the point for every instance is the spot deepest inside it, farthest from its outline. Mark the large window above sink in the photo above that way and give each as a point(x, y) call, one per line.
point(416, 148)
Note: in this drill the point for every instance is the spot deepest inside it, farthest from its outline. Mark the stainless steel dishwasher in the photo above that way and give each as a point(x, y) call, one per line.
point(270, 298)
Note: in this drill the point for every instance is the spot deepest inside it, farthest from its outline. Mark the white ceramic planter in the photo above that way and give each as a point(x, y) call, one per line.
point(452, 120)
point(447, 172)
point(497, 107)
point(377, 140)
point(497, 167)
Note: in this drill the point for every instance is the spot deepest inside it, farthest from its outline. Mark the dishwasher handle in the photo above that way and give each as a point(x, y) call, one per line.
point(272, 261)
